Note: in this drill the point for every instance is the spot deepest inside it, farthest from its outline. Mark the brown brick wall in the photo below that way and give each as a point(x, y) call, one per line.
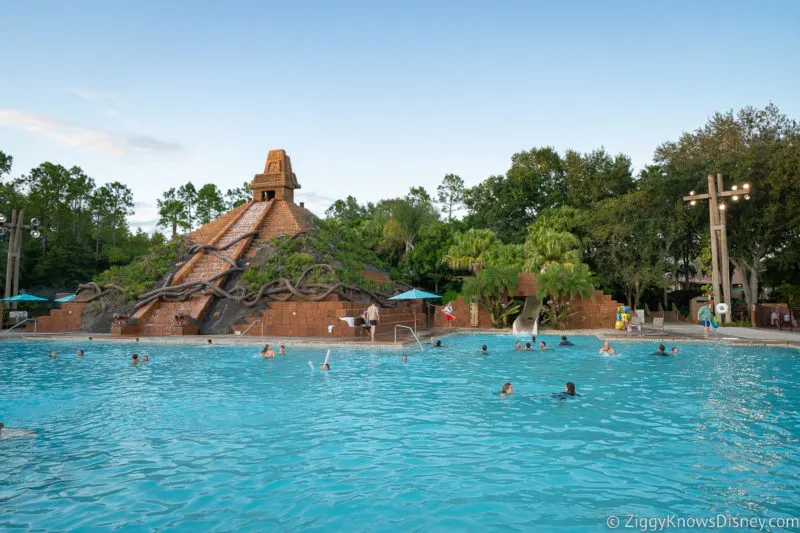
point(311, 319)
point(66, 319)
point(206, 232)
point(461, 309)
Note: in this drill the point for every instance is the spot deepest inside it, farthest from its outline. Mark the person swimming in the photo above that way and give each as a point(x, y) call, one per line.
point(569, 390)
point(542, 345)
point(267, 352)
point(53, 354)
point(565, 342)
point(282, 350)
point(661, 351)
point(607, 349)
point(9, 433)
point(533, 338)
point(508, 388)
point(438, 344)
point(674, 350)
point(527, 347)
point(484, 349)
point(145, 358)
point(404, 358)
point(135, 359)
point(80, 353)
point(209, 342)
point(325, 365)
point(518, 346)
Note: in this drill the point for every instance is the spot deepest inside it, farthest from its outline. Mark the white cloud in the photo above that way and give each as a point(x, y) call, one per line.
point(92, 95)
point(85, 137)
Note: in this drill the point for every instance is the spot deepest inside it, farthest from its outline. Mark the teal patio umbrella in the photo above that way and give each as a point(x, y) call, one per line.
point(65, 299)
point(414, 294)
point(24, 298)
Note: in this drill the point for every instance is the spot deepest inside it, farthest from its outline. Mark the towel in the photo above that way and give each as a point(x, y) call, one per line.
point(351, 320)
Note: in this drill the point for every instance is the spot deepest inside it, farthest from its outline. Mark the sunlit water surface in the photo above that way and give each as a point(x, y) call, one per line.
point(219, 439)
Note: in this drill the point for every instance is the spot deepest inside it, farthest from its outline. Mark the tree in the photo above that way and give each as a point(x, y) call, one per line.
point(188, 195)
point(172, 211)
point(5, 163)
point(551, 241)
point(407, 218)
point(347, 211)
point(451, 194)
point(596, 176)
point(119, 207)
point(508, 204)
point(210, 203)
point(236, 197)
point(561, 284)
point(493, 287)
point(760, 147)
point(471, 250)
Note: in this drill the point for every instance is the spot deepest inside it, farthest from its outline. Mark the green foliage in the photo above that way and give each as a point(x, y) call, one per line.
point(451, 194)
point(471, 249)
point(550, 241)
point(493, 287)
point(210, 203)
point(558, 313)
point(141, 276)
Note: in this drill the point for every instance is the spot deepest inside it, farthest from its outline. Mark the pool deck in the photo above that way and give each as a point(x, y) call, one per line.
point(672, 332)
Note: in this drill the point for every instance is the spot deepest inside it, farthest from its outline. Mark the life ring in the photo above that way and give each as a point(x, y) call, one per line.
point(722, 308)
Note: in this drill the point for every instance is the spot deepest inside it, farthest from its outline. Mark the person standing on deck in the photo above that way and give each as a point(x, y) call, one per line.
point(704, 315)
point(373, 316)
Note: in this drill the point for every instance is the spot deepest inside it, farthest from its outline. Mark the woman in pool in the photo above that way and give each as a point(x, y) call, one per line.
point(569, 390)
point(404, 358)
point(282, 350)
point(607, 349)
point(484, 349)
point(527, 347)
point(542, 345)
point(508, 388)
point(518, 346)
point(80, 353)
point(267, 352)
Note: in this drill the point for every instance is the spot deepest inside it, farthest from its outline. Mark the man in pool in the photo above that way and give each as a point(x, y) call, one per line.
point(282, 350)
point(135, 359)
point(607, 349)
point(404, 358)
point(661, 350)
point(267, 352)
point(484, 349)
point(508, 388)
point(518, 346)
point(53, 354)
point(80, 353)
point(565, 342)
point(527, 347)
point(542, 345)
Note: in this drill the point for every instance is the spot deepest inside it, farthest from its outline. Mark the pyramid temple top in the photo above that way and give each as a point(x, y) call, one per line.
point(278, 181)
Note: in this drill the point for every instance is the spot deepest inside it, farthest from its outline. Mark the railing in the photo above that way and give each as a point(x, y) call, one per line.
point(409, 328)
point(18, 324)
point(253, 324)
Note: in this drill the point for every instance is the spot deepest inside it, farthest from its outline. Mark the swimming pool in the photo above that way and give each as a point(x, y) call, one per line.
point(219, 439)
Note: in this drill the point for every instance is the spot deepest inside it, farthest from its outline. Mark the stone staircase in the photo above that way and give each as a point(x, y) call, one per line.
point(66, 319)
point(158, 318)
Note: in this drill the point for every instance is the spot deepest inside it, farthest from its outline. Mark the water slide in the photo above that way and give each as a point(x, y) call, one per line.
point(528, 320)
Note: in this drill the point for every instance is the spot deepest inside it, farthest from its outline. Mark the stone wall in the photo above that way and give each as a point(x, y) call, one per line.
point(598, 312)
point(311, 319)
point(461, 309)
point(66, 319)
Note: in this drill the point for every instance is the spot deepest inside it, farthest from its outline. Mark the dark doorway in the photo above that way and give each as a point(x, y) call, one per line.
point(267, 195)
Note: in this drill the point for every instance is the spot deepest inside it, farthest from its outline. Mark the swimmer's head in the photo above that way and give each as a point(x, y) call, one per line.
point(674, 350)
point(533, 338)
point(542, 344)
point(484, 348)
point(404, 358)
point(606, 345)
point(283, 348)
point(527, 346)
point(570, 388)
point(145, 358)
point(438, 344)
point(661, 347)
point(135, 357)
point(563, 337)
point(326, 366)
point(80, 353)
point(507, 388)
point(52, 353)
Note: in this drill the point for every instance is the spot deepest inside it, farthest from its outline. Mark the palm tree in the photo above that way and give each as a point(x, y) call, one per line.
point(492, 286)
point(470, 250)
point(550, 241)
point(561, 284)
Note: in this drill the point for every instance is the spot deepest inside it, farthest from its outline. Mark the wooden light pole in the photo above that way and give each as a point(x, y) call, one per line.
point(720, 263)
point(14, 228)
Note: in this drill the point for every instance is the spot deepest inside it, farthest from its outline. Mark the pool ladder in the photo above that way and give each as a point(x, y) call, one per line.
point(409, 328)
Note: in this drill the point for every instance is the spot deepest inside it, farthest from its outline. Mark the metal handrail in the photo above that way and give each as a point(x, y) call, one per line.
point(409, 328)
point(256, 321)
point(35, 325)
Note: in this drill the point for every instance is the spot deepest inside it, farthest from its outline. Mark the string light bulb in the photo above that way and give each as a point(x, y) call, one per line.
point(722, 207)
point(691, 193)
point(746, 196)
point(734, 187)
point(735, 198)
point(746, 186)
point(693, 202)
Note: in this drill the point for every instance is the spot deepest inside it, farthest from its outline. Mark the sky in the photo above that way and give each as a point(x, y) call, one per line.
point(372, 98)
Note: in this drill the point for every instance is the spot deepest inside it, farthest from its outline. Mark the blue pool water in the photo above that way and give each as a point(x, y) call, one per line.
point(218, 439)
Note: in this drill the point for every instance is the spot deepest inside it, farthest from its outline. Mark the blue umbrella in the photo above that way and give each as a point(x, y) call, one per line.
point(64, 299)
point(414, 294)
point(24, 298)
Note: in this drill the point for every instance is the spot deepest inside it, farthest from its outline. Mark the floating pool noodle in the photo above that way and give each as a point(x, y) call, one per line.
point(311, 365)
point(327, 355)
